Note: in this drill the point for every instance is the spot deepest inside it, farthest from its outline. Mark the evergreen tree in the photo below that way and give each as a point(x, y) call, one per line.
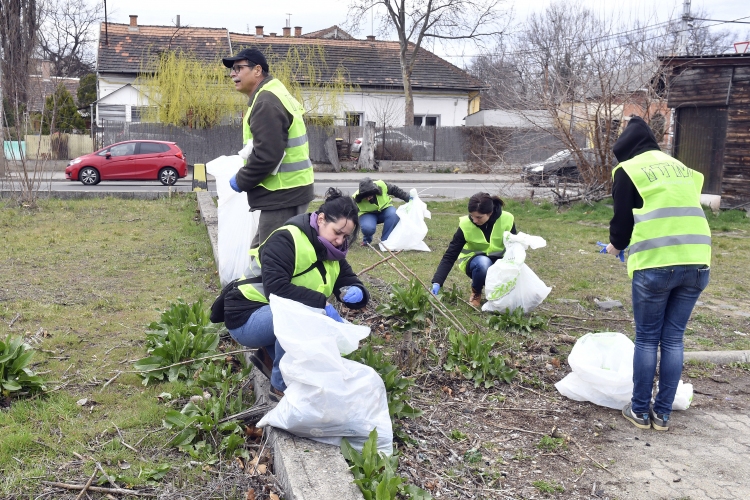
point(61, 113)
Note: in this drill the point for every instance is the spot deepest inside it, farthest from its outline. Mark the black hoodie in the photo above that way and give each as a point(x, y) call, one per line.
point(637, 138)
point(277, 256)
point(367, 188)
point(457, 243)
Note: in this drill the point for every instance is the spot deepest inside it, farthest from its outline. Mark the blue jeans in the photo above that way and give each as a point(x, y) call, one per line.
point(368, 223)
point(663, 299)
point(258, 332)
point(478, 271)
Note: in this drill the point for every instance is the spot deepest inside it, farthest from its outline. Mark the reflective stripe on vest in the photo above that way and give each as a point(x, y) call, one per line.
point(477, 244)
point(296, 168)
point(306, 273)
point(382, 201)
point(671, 228)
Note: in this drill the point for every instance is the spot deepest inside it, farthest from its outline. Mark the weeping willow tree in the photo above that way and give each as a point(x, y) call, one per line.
point(186, 91)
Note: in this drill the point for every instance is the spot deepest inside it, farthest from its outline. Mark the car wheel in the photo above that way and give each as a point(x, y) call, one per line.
point(89, 176)
point(168, 176)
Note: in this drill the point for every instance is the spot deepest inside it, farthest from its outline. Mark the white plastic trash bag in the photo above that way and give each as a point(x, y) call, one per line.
point(602, 366)
point(327, 397)
point(411, 229)
point(683, 397)
point(510, 283)
point(236, 225)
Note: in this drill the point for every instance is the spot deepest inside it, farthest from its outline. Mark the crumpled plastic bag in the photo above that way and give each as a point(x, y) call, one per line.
point(411, 229)
point(237, 225)
point(327, 397)
point(683, 397)
point(510, 283)
point(602, 373)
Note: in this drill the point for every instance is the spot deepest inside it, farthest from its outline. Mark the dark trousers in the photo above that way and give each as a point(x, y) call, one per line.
point(271, 220)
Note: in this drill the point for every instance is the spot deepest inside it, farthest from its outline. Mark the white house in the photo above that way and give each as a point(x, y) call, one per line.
point(443, 93)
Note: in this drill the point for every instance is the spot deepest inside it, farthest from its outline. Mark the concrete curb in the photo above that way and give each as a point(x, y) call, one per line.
point(718, 357)
point(306, 469)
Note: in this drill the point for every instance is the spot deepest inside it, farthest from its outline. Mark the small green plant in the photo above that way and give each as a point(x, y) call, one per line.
point(739, 365)
point(184, 332)
point(149, 476)
point(516, 321)
point(450, 295)
point(457, 435)
point(470, 356)
point(15, 375)
point(547, 487)
point(548, 443)
point(410, 305)
point(396, 386)
point(472, 456)
point(375, 472)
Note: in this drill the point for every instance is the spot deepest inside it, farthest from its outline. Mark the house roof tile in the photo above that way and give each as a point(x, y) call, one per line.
point(367, 63)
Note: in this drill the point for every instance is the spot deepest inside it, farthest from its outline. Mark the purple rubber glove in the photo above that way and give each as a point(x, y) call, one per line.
point(332, 313)
point(353, 295)
point(233, 184)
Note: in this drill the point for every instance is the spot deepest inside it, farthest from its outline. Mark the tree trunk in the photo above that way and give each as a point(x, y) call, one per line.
point(332, 153)
point(408, 99)
point(367, 152)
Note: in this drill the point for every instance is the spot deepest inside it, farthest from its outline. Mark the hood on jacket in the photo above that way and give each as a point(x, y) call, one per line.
point(367, 188)
point(637, 138)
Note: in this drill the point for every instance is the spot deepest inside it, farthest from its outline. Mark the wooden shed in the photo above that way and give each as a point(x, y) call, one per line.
point(711, 100)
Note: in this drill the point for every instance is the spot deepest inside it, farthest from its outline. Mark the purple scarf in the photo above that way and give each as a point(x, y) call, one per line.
point(333, 252)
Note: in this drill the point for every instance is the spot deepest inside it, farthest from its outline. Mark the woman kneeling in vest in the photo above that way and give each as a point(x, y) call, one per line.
point(304, 260)
point(477, 244)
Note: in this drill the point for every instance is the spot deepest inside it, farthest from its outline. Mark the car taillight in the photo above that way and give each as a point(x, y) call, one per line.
point(357, 142)
point(179, 154)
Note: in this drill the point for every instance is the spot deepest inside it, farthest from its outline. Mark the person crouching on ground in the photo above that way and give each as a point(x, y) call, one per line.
point(477, 244)
point(657, 212)
point(305, 261)
point(375, 202)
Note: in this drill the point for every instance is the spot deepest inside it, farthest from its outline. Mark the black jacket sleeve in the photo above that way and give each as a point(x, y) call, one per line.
point(449, 257)
point(626, 198)
point(277, 261)
point(347, 277)
point(269, 124)
point(394, 190)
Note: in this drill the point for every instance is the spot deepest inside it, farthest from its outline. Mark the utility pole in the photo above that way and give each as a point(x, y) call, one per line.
point(685, 25)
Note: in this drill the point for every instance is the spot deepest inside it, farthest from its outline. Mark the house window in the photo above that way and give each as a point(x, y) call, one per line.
point(137, 113)
point(112, 112)
point(427, 120)
point(354, 119)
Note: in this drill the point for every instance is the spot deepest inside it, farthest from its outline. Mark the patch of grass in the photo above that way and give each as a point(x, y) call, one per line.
point(473, 456)
point(548, 486)
point(457, 435)
point(548, 443)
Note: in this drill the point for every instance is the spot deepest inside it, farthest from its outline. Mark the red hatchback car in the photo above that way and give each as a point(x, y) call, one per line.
point(130, 160)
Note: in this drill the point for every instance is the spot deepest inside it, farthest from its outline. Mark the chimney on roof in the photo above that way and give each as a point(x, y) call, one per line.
point(272, 35)
point(46, 68)
point(298, 31)
point(287, 31)
point(259, 31)
point(177, 23)
point(370, 38)
point(133, 23)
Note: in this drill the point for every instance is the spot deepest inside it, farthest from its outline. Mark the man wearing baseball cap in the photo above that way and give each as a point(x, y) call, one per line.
point(278, 173)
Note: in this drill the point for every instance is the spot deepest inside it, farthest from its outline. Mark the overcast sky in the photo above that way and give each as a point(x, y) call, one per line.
point(312, 15)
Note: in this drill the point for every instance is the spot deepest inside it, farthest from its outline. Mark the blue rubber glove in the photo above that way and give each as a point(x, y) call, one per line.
point(332, 313)
point(233, 183)
point(435, 288)
point(353, 295)
point(621, 255)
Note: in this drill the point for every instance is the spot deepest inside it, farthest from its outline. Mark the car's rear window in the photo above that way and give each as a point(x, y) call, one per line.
point(153, 147)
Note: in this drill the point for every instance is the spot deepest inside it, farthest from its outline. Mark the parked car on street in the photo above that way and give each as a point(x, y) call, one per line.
point(560, 167)
point(132, 161)
point(418, 148)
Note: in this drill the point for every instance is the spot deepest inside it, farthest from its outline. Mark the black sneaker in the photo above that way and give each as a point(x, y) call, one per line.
point(262, 361)
point(641, 421)
point(659, 422)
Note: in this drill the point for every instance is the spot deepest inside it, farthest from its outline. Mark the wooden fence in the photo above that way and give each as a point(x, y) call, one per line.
point(40, 147)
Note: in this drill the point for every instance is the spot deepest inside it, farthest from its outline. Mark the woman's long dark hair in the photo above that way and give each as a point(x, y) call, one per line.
point(484, 203)
point(338, 206)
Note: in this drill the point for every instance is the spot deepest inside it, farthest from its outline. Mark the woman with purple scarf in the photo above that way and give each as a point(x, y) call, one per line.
point(305, 261)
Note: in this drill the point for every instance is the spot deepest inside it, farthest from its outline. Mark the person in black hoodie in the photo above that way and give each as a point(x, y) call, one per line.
point(478, 241)
point(657, 213)
point(375, 202)
point(305, 261)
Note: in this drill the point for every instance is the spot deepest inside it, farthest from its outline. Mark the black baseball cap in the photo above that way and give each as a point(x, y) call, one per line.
point(254, 56)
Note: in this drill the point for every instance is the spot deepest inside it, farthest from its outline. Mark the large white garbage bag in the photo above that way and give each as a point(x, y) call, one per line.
point(411, 229)
point(236, 225)
point(327, 397)
point(602, 366)
point(510, 283)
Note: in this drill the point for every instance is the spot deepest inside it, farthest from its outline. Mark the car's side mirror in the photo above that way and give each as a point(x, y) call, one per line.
point(108, 156)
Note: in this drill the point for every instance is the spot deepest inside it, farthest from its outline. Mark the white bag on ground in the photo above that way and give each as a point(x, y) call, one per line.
point(602, 366)
point(236, 224)
point(683, 397)
point(327, 397)
point(510, 283)
point(411, 229)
